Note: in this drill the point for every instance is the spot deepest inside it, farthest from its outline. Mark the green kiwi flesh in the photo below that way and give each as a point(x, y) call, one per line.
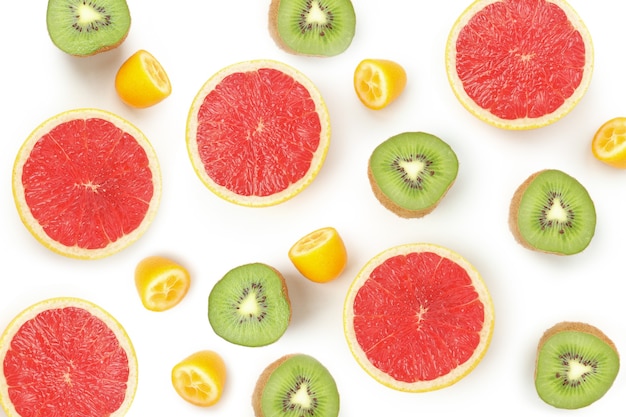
point(249, 305)
point(87, 27)
point(312, 27)
point(296, 385)
point(552, 212)
point(411, 172)
point(576, 365)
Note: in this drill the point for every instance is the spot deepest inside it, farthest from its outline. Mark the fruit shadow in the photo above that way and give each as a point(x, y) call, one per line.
point(90, 72)
point(307, 300)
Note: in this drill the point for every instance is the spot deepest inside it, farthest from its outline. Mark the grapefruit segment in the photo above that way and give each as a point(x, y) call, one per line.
point(66, 356)
point(519, 64)
point(418, 317)
point(86, 183)
point(258, 133)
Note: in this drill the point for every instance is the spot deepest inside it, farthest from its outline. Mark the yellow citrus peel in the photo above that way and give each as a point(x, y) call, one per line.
point(199, 378)
point(161, 282)
point(378, 82)
point(141, 80)
point(609, 143)
point(320, 255)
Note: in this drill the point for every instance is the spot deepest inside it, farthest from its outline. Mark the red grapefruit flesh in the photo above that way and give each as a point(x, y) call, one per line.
point(519, 64)
point(258, 133)
point(418, 317)
point(86, 183)
point(66, 357)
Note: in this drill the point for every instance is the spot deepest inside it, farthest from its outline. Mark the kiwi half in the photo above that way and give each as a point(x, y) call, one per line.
point(576, 365)
point(411, 172)
point(552, 212)
point(249, 305)
point(296, 385)
point(87, 27)
point(312, 27)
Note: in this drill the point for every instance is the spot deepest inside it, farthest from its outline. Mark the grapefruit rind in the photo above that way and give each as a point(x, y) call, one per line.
point(31, 222)
point(61, 302)
point(520, 123)
point(316, 162)
point(461, 370)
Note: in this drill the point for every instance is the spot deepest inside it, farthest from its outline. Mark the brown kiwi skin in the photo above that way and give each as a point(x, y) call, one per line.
point(576, 326)
point(105, 48)
point(390, 205)
point(514, 210)
point(273, 26)
point(260, 384)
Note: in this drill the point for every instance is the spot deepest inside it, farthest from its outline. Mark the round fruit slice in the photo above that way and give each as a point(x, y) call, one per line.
point(296, 385)
point(66, 357)
point(411, 172)
point(86, 183)
point(552, 212)
point(250, 305)
point(141, 81)
point(519, 64)
point(320, 255)
point(609, 143)
point(161, 283)
point(418, 317)
point(319, 28)
point(258, 133)
point(199, 378)
point(85, 28)
point(576, 365)
point(378, 82)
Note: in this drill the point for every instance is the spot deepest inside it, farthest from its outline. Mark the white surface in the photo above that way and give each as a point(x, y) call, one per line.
point(531, 291)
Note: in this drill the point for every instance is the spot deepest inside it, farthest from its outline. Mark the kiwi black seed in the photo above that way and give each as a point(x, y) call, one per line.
point(312, 27)
point(296, 385)
point(576, 365)
point(87, 27)
point(411, 172)
point(249, 305)
point(552, 212)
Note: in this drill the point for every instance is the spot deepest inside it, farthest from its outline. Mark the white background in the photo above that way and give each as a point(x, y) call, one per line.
point(194, 39)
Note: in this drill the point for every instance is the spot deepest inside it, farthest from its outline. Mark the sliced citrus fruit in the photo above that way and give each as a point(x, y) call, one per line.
point(86, 183)
point(258, 133)
point(161, 282)
point(519, 64)
point(141, 81)
point(609, 143)
point(418, 317)
point(199, 379)
point(378, 82)
point(320, 255)
point(66, 357)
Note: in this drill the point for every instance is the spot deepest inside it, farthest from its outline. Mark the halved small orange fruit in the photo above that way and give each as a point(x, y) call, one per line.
point(199, 379)
point(141, 81)
point(161, 282)
point(320, 255)
point(378, 82)
point(609, 143)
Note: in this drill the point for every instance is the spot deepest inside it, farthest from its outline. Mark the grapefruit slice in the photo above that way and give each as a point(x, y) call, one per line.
point(418, 317)
point(258, 133)
point(86, 183)
point(66, 357)
point(519, 64)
